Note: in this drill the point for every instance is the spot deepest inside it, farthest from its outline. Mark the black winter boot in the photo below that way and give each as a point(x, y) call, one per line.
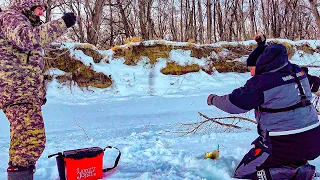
point(20, 173)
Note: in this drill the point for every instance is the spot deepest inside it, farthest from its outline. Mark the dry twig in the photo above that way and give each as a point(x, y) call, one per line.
point(229, 117)
point(209, 123)
point(58, 55)
point(81, 128)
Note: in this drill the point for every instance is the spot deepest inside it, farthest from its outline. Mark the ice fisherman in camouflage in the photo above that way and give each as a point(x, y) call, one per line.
point(22, 90)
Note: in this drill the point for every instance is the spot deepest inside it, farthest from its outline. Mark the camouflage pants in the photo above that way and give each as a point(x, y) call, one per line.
point(27, 134)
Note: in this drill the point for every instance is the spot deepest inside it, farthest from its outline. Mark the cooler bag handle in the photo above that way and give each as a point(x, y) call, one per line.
point(117, 159)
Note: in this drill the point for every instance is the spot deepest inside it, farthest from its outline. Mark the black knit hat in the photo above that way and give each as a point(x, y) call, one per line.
point(34, 7)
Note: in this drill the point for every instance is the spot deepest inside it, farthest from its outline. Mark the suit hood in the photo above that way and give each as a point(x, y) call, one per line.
point(273, 58)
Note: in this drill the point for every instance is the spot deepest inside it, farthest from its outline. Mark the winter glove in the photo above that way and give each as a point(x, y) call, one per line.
point(69, 18)
point(210, 98)
point(260, 38)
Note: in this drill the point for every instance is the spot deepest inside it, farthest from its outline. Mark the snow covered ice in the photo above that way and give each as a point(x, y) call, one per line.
point(135, 116)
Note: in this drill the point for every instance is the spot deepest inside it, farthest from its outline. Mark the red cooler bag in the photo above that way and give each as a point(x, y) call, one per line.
point(83, 164)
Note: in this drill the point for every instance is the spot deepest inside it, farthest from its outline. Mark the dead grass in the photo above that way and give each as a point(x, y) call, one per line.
point(133, 54)
point(76, 71)
point(229, 66)
point(305, 47)
point(84, 76)
point(221, 66)
point(173, 68)
point(239, 49)
point(91, 51)
point(202, 52)
point(133, 39)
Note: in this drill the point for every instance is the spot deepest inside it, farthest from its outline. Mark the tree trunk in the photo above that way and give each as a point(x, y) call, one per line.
point(81, 35)
point(242, 21)
point(252, 19)
point(173, 23)
point(200, 22)
point(209, 21)
point(274, 19)
point(48, 11)
point(142, 21)
point(264, 19)
point(181, 22)
point(124, 19)
point(194, 19)
point(94, 31)
point(214, 21)
point(220, 21)
point(111, 41)
point(188, 28)
point(151, 31)
point(315, 12)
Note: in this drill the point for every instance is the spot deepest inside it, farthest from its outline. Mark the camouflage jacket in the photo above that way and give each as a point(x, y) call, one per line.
point(21, 54)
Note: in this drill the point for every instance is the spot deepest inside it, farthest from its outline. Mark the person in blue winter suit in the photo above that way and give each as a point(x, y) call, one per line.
point(287, 122)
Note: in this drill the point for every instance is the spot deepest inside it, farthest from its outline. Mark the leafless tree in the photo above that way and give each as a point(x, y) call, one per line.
point(314, 7)
point(201, 26)
point(109, 22)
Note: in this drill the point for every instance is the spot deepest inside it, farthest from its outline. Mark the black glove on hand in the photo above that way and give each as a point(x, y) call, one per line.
point(260, 38)
point(69, 18)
